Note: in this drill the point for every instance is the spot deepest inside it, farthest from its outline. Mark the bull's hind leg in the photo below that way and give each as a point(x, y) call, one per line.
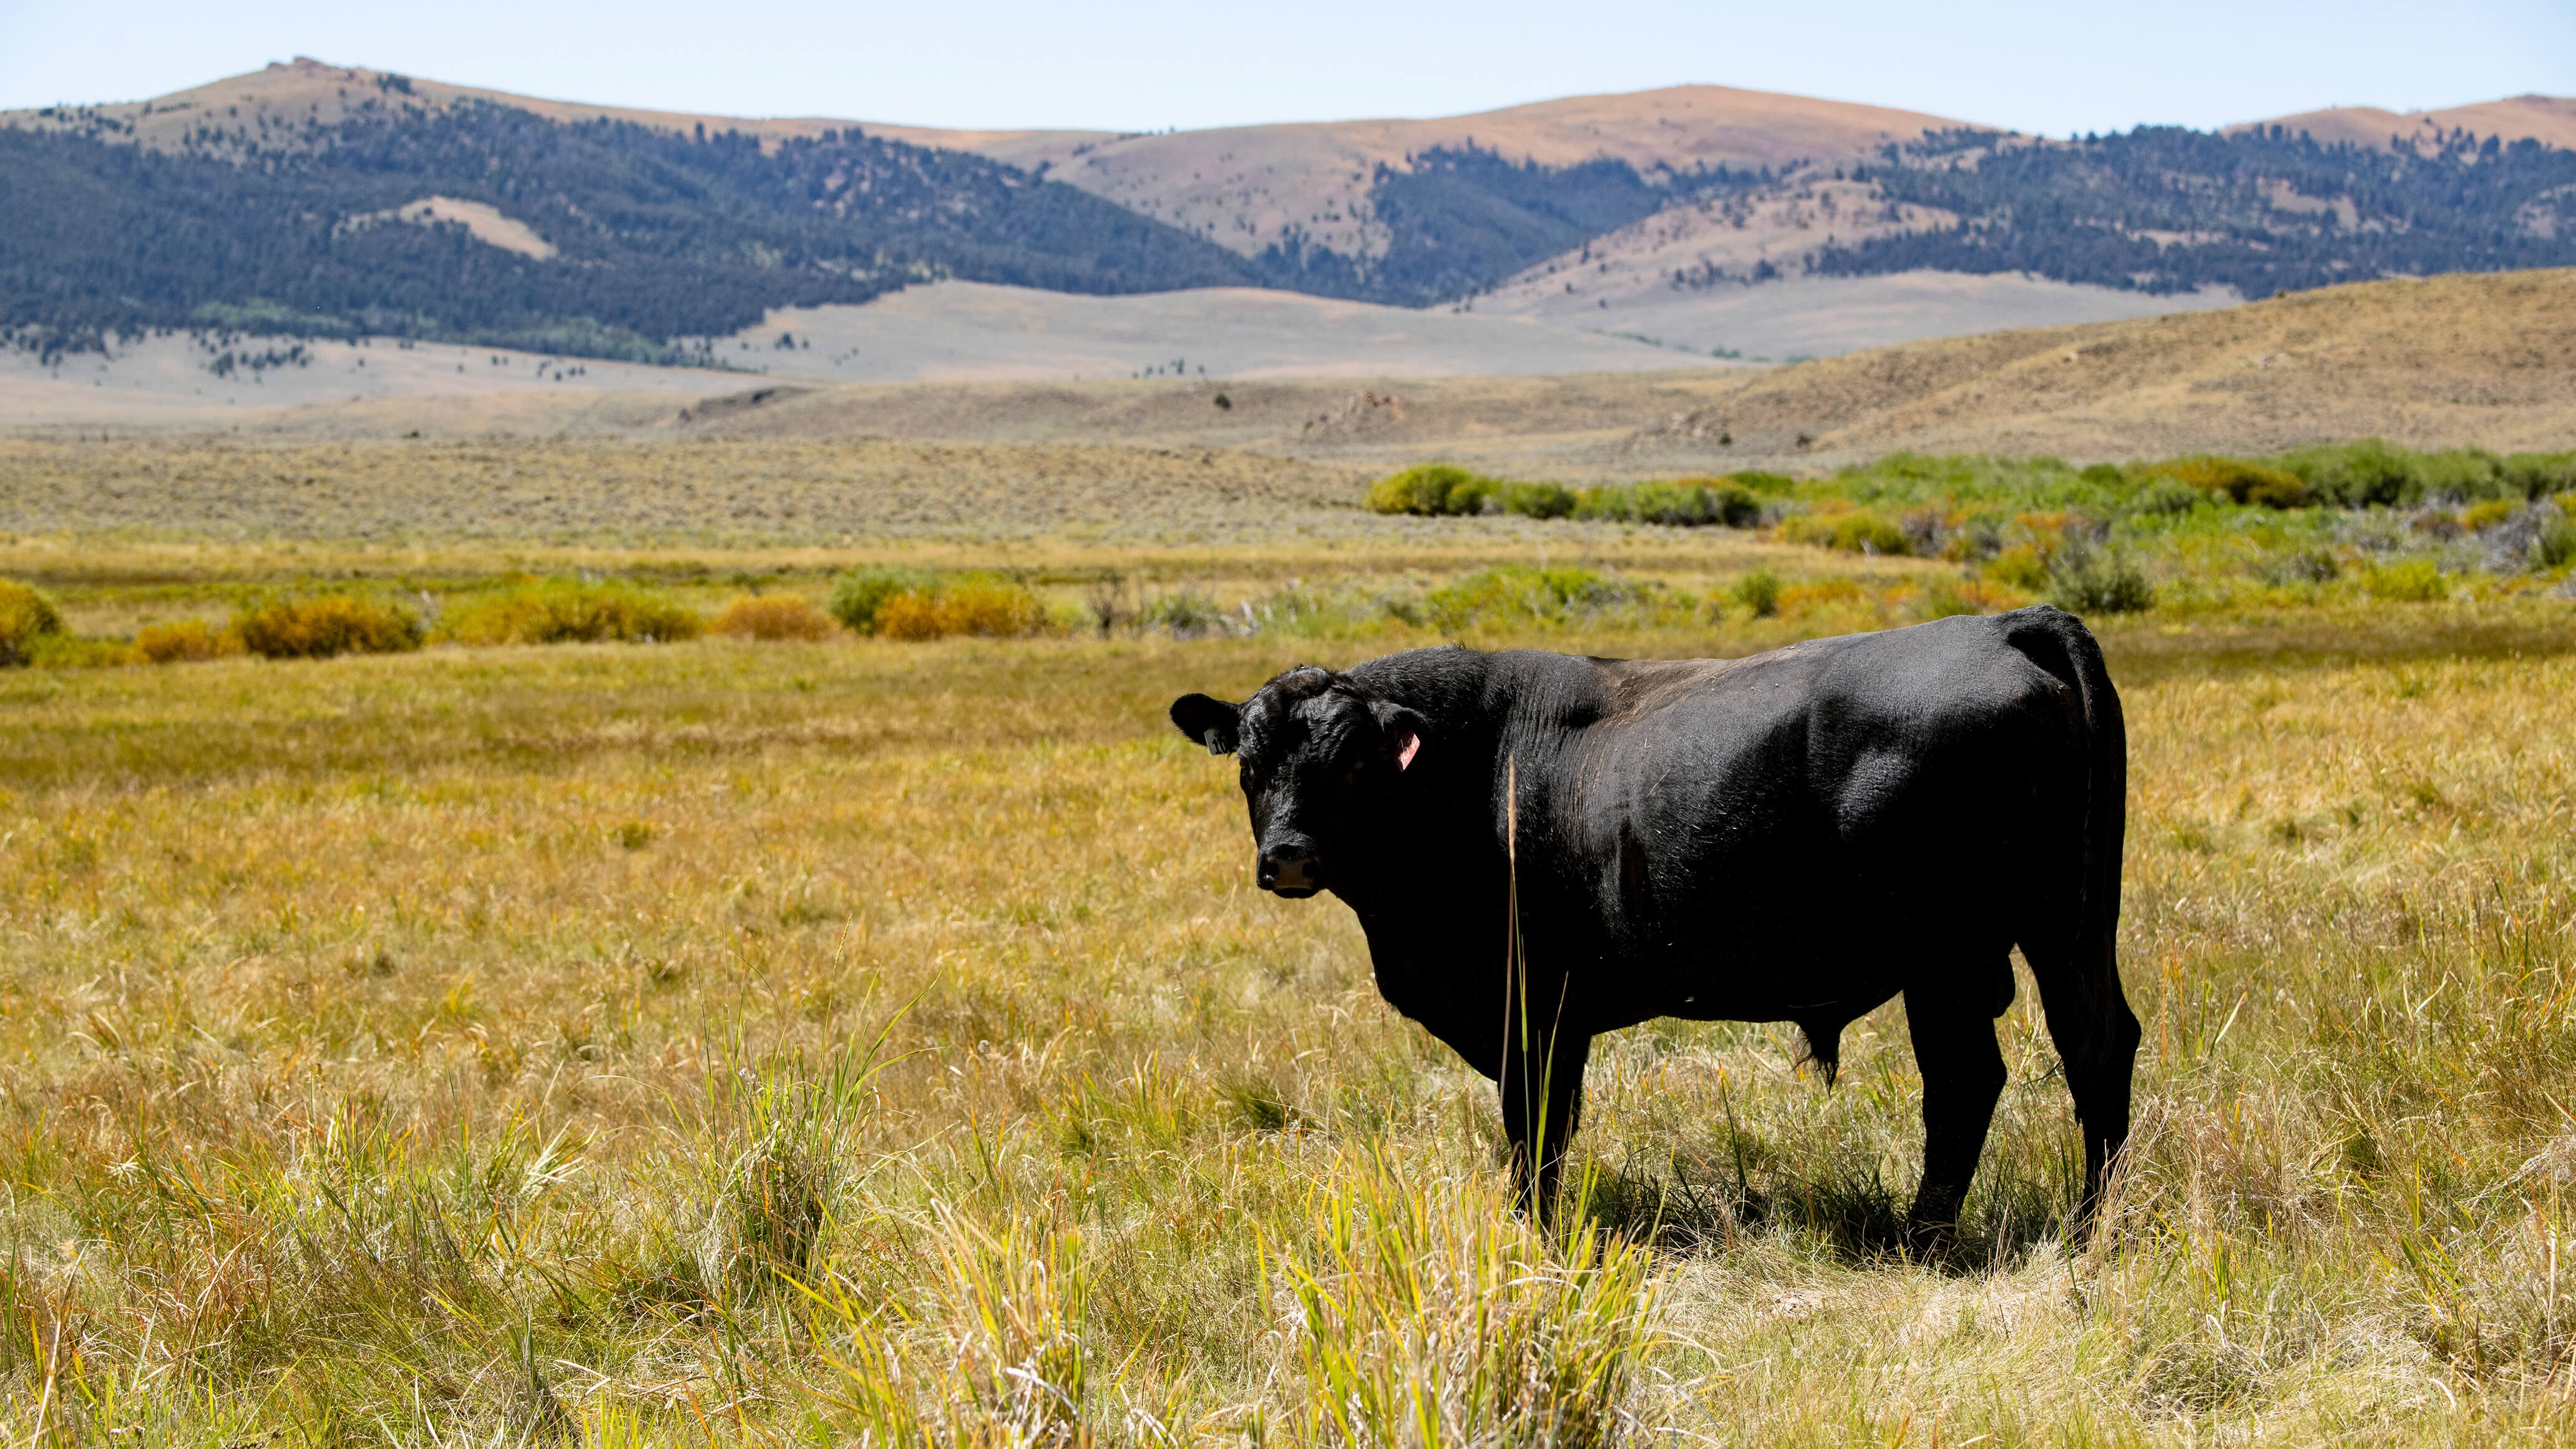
point(2097, 1039)
point(1963, 1076)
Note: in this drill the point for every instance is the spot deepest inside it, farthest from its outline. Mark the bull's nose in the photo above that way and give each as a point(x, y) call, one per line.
point(1290, 873)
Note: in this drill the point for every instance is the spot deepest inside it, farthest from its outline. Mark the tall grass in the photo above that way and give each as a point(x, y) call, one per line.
point(711, 1044)
point(1431, 1316)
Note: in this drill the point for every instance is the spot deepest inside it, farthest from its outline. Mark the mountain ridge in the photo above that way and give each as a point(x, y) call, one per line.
point(457, 206)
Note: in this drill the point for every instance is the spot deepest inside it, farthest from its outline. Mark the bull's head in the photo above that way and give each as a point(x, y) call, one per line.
point(1317, 752)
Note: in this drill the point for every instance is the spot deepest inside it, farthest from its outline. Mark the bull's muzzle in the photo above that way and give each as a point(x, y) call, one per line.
point(1294, 871)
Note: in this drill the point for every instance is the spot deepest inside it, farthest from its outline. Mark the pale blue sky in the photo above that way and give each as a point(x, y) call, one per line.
point(2047, 67)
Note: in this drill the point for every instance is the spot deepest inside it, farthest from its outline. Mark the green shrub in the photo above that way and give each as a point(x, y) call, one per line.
point(566, 611)
point(2478, 517)
point(2019, 567)
point(2310, 565)
point(2164, 495)
point(66, 651)
point(860, 593)
point(1538, 500)
point(318, 628)
point(25, 617)
point(1759, 591)
point(1763, 482)
point(2408, 581)
point(1478, 494)
point(2086, 581)
point(1853, 530)
point(1677, 503)
point(2239, 481)
point(996, 608)
point(1518, 594)
point(2538, 475)
point(2555, 545)
point(1428, 490)
point(1188, 613)
point(187, 640)
point(2376, 472)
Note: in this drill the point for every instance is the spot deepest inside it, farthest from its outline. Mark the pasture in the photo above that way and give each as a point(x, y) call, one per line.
point(788, 1042)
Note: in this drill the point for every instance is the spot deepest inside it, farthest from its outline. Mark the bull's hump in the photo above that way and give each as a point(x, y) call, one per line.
point(1641, 686)
point(1762, 683)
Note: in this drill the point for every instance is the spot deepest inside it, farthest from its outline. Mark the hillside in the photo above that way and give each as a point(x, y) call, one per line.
point(2448, 361)
point(2468, 360)
point(1251, 187)
point(476, 222)
point(2164, 209)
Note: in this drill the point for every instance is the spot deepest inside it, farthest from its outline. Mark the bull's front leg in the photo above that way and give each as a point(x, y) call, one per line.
point(1542, 1098)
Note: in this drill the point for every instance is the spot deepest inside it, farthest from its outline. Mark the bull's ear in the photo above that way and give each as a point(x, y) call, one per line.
point(1212, 722)
point(1404, 732)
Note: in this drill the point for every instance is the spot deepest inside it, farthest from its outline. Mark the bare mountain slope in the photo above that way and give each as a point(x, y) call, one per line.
point(2550, 120)
point(289, 94)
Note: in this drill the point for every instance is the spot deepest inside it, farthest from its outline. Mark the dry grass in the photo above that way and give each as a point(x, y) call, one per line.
point(742, 1042)
point(644, 492)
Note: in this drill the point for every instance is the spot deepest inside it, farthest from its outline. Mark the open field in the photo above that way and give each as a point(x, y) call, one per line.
point(171, 382)
point(479, 1042)
point(856, 1040)
point(631, 493)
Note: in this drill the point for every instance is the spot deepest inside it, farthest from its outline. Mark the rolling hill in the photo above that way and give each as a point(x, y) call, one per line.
point(2550, 120)
point(2463, 360)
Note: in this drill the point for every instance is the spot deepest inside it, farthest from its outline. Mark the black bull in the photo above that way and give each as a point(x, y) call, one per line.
point(1798, 836)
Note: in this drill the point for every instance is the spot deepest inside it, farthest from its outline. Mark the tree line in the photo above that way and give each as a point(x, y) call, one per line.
point(660, 237)
point(2167, 209)
point(1461, 219)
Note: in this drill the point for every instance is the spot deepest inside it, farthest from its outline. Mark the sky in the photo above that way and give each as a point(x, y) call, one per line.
point(2054, 68)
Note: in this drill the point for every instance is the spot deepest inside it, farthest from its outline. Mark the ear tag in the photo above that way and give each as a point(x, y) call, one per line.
point(1404, 757)
point(1214, 747)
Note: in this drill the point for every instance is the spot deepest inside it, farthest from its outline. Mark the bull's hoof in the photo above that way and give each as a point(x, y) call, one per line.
point(1928, 1240)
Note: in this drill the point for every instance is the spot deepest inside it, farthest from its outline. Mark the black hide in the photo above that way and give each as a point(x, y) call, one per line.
point(1799, 836)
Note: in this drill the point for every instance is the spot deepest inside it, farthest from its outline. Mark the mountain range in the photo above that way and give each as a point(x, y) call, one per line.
point(319, 201)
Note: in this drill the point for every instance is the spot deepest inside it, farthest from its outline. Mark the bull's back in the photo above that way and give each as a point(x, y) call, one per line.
point(1817, 800)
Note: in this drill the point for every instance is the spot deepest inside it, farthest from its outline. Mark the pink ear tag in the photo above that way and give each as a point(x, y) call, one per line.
point(1404, 757)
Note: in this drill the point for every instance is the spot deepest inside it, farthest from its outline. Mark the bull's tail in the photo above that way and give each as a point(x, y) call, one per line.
point(2075, 957)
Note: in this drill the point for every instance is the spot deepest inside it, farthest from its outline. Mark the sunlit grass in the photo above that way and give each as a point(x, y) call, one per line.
point(783, 1041)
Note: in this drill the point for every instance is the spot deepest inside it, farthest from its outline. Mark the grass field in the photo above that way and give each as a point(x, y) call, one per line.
point(797, 1042)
